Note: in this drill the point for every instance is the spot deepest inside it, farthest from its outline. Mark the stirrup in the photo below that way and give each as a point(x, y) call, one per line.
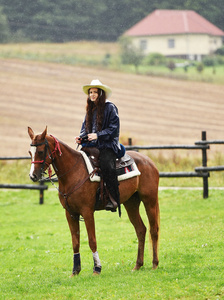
point(110, 206)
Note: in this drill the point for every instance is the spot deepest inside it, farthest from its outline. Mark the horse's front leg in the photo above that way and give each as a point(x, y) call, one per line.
point(90, 227)
point(73, 223)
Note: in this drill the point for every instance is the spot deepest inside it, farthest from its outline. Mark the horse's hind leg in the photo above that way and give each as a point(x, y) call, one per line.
point(152, 211)
point(132, 208)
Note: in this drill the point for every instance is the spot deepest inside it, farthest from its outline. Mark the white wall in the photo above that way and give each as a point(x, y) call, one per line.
point(189, 44)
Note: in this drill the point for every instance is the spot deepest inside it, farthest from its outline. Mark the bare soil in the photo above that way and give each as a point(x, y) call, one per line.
point(153, 111)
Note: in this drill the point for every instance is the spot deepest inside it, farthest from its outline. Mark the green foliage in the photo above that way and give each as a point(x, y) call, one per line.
point(36, 251)
point(200, 67)
point(130, 55)
point(155, 59)
point(171, 65)
point(108, 56)
point(4, 28)
point(61, 21)
point(220, 59)
point(209, 60)
point(107, 59)
point(220, 51)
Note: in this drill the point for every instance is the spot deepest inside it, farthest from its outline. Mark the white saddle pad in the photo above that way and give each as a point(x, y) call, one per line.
point(129, 173)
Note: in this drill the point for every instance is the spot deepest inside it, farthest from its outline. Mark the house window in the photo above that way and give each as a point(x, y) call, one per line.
point(143, 45)
point(171, 43)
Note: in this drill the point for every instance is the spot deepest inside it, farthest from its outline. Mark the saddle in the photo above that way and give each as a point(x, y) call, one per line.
point(93, 155)
point(103, 195)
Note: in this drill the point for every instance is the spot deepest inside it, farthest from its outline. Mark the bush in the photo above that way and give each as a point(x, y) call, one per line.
point(155, 59)
point(220, 59)
point(107, 59)
point(200, 67)
point(171, 65)
point(209, 61)
point(220, 51)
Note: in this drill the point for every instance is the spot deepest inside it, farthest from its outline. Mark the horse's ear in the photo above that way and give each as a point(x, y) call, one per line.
point(31, 133)
point(44, 133)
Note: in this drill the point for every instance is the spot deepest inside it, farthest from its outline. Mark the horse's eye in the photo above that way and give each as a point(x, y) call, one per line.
point(40, 152)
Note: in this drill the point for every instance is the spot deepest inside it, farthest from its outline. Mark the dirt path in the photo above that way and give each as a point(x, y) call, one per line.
point(152, 110)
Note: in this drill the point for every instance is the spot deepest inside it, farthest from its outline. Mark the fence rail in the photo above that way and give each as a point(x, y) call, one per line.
point(202, 171)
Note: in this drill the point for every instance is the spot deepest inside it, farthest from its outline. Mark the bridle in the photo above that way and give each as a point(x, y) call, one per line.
point(51, 154)
point(47, 153)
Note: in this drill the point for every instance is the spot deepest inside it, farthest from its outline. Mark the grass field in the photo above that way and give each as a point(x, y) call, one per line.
point(107, 55)
point(36, 251)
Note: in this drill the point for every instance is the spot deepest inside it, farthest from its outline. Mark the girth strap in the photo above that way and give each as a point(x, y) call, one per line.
point(66, 195)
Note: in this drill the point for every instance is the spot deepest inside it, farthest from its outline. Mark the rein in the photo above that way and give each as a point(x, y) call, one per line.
point(50, 155)
point(66, 195)
point(44, 162)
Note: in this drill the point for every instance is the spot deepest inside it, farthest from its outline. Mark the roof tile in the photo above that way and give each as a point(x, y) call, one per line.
point(162, 22)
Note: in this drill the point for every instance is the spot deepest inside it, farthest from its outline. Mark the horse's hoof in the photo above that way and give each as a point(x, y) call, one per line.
point(96, 270)
point(154, 266)
point(137, 267)
point(74, 274)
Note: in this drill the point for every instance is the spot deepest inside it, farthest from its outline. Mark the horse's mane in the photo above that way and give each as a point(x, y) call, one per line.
point(70, 149)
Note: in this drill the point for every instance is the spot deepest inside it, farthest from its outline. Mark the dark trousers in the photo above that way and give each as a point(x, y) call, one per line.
point(107, 160)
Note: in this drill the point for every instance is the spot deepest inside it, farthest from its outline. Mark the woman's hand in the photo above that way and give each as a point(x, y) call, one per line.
point(77, 140)
point(92, 136)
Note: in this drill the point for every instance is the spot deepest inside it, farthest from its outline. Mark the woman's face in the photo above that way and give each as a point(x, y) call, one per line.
point(93, 94)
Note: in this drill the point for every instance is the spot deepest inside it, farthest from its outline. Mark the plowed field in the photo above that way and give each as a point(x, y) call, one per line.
point(153, 111)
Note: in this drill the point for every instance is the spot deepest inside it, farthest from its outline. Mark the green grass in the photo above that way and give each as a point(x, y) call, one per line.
point(36, 251)
point(102, 55)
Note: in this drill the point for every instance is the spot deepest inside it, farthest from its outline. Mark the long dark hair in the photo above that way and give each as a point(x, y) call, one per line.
point(99, 104)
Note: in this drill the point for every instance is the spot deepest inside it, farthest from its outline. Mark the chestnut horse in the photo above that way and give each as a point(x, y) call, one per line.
point(77, 194)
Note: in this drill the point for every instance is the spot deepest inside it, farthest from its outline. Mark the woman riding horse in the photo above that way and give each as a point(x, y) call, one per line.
point(77, 194)
point(101, 125)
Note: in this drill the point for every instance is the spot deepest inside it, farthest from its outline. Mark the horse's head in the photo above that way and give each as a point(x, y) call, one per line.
point(41, 153)
point(37, 152)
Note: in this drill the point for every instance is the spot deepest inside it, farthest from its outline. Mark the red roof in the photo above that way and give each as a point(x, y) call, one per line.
point(173, 22)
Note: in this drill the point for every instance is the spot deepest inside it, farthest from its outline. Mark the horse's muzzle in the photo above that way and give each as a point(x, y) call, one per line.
point(34, 177)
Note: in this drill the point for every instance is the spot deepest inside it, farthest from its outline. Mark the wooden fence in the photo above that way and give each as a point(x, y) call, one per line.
point(202, 171)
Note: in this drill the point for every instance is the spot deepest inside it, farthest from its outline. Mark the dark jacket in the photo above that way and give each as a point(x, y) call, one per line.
point(108, 137)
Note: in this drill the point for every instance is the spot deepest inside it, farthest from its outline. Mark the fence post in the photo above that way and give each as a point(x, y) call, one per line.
point(41, 193)
point(204, 164)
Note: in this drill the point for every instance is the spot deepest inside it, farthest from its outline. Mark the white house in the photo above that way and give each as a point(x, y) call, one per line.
point(176, 33)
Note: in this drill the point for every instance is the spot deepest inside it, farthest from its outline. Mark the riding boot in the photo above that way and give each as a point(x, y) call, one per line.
point(111, 204)
point(107, 161)
point(114, 196)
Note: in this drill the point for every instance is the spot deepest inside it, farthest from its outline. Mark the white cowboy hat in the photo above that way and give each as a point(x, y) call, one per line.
point(97, 84)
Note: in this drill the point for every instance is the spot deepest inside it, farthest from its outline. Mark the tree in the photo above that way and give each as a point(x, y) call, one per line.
point(4, 28)
point(103, 20)
point(130, 55)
